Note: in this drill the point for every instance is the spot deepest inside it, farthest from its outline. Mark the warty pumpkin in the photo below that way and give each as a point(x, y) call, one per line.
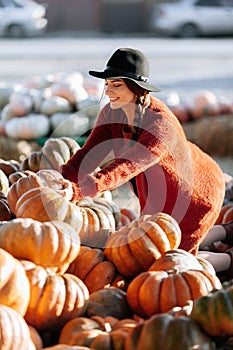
point(135, 247)
point(52, 244)
point(55, 298)
point(15, 333)
point(14, 284)
point(154, 292)
point(166, 332)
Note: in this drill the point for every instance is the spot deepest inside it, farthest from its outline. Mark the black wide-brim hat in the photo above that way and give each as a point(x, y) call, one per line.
point(127, 63)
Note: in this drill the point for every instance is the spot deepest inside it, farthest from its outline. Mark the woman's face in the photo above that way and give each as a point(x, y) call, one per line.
point(118, 93)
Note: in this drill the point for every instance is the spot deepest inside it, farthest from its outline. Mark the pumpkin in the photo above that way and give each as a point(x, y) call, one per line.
point(108, 302)
point(127, 215)
point(55, 298)
point(134, 248)
point(214, 312)
point(14, 285)
point(154, 292)
point(166, 332)
point(69, 124)
point(98, 222)
point(9, 166)
point(14, 177)
point(50, 244)
point(204, 103)
point(93, 269)
point(106, 333)
point(5, 212)
point(15, 333)
point(223, 211)
point(4, 183)
point(55, 104)
point(29, 127)
point(46, 204)
point(54, 153)
point(36, 338)
point(176, 259)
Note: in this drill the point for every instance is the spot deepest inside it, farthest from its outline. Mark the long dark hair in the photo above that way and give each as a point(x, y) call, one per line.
point(142, 102)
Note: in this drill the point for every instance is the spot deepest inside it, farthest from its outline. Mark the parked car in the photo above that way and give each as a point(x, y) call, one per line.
point(192, 18)
point(22, 18)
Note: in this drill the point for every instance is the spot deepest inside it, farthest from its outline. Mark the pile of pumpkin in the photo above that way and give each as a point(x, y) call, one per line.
point(92, 275)
point(61, 104)
point(65, 104)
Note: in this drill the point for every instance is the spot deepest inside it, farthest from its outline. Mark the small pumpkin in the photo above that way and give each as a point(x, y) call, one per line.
point(135, 247)
point(5, 212)
point(66, 347)
point(93, 269)
point(154, 292)
point(15, 333)
point(9, 166)
point(166, 332)
point(4, 183)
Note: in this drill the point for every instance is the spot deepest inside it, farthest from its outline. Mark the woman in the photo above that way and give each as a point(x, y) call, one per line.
point(167, 172)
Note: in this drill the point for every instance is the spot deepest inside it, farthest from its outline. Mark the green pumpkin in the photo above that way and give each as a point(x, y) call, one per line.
point(166, 332)
point(214, 312)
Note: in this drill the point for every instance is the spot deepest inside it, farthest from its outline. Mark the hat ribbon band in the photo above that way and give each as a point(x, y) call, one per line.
point(127, 74)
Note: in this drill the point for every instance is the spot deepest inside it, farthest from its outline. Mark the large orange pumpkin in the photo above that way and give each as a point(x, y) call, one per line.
point(14, 284)
point(50, 244)
point(154, 292)
point(55, 298)
point(135, 247)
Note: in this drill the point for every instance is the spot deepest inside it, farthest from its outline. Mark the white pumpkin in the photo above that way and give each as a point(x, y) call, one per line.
point(30, 127)
point(66, 124)
point(55, 104)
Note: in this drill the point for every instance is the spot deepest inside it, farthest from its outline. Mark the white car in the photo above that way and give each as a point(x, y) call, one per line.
point(22, 18)
point(192, 18)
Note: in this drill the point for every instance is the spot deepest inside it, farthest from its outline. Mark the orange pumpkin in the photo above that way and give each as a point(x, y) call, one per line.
point(93, 269)
point(154, 292)
point(223, 211)
point(176, 260)
point(50, 244)
point(14, 284)
point(134, 248)
point(55, 298)
point(9, 166)
point(106, 333)
point(15, 333)
point(5, 212)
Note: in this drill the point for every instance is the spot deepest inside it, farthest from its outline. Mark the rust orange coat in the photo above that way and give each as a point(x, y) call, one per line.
point(171, 174)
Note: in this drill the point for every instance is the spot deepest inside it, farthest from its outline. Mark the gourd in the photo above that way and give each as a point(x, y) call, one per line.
point(14, 284)
point(52, 244)
point(55, 104)
point(15, 333)
point(154, 292)
point(135, 247)
point(69, 124)
point(9, 166)
point(166, 332)
point(55, 298)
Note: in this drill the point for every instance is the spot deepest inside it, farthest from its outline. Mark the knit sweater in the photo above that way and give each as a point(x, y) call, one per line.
point(171, 174)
